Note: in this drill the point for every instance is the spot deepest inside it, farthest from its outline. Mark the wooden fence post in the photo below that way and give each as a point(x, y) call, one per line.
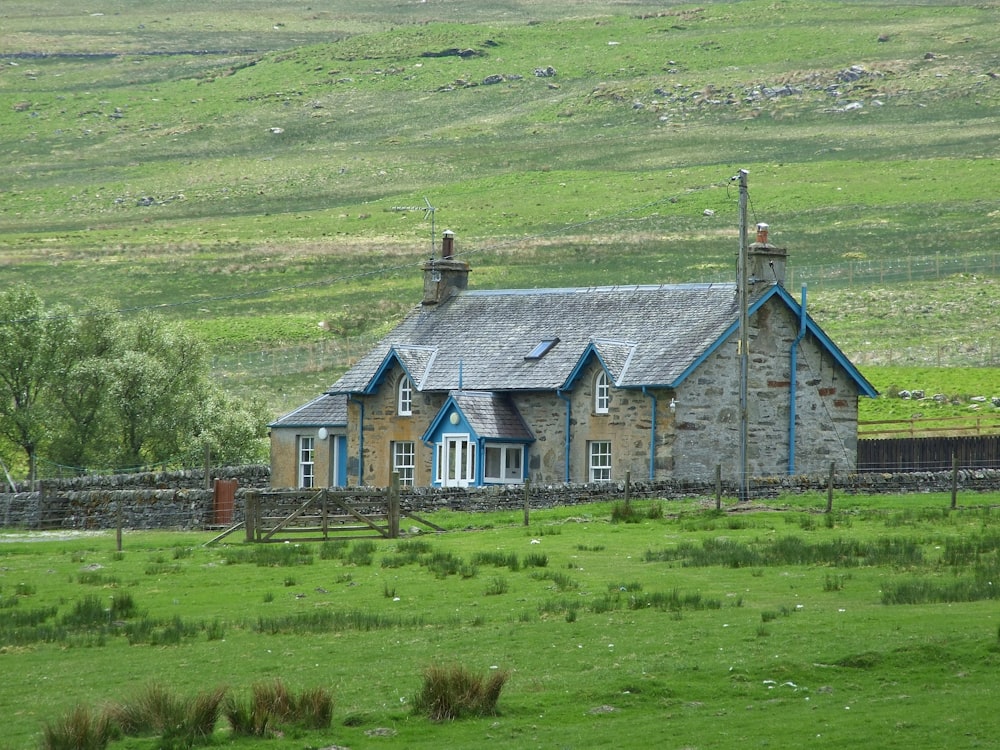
point(118, 526)
point(208, 468)
point(527, 501)
point(628, 490)
point(718, 486)
point(829, 488)
point(250, 510)
point(393, 511)
point(325, 514)
point(954, 480)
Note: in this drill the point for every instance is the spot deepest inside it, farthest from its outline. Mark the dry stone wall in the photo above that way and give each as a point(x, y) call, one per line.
point(191, 508)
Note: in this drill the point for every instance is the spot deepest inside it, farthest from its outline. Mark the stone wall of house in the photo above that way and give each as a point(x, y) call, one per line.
point(285, 455)
point(708, 420)
point(382, 426)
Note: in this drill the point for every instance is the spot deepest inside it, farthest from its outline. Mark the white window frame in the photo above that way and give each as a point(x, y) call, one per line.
point(306, 460)
point(442, 458)
point(599, 460)
point(511, 463)
point(404, 461)
point(602, 392)
point(404, 397)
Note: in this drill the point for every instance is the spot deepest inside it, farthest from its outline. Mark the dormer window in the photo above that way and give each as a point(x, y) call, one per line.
point(602, 393)
point(543, 348)
point(404, 402)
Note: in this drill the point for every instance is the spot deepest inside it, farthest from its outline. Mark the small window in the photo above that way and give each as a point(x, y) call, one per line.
point(307, 461)
point(602, 393)
point(404, 406)
point(404, 461)
point(543, 348)
point(599, 460)
point(503, 464)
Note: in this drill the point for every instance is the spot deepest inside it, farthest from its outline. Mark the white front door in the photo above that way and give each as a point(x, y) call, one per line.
point(458, 461)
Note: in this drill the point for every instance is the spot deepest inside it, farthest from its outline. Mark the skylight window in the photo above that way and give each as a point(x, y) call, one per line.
point(543, 348)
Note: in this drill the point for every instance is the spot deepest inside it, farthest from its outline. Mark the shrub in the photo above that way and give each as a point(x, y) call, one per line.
point(78, 730)
point(454, 692)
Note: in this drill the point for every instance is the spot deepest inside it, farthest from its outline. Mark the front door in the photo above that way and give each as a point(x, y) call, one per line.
point(458, 461)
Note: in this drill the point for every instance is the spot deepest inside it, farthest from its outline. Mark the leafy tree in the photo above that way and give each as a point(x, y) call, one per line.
point(96, 389)
point(82, 348)
point(24, 355)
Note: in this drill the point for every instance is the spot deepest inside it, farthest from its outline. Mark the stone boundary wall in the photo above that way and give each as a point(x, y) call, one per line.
point(162, 501)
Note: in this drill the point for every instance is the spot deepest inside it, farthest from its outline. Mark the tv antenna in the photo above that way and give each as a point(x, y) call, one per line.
point(428, 210)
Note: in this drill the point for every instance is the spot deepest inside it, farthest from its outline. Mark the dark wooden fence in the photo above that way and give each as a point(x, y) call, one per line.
point(929, 453)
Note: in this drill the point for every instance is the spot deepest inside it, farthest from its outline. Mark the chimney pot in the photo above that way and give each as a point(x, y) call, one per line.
point(447, 244)
point(762, 233)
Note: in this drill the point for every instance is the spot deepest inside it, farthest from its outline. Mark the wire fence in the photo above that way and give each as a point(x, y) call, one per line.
point(319, 356)
point(891, 270)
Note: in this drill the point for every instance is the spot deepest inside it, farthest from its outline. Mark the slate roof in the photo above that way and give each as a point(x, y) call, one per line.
point(644, 335)
point(492, 415)
point(325, 411)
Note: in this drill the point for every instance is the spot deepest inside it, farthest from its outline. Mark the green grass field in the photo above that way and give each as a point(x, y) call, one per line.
point(777, 627)
point(238, 166)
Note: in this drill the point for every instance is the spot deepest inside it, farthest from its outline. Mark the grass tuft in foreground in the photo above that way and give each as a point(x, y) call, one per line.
point(454, 692)
point(80, 729)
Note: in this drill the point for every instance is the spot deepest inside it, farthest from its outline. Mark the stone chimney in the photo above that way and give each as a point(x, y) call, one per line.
point(444, 276)
point(766, 262)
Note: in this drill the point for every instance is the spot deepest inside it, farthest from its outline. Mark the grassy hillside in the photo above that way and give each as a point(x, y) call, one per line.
point(238, 166)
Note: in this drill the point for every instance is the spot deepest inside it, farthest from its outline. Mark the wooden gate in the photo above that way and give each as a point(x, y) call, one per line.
point(323, 514)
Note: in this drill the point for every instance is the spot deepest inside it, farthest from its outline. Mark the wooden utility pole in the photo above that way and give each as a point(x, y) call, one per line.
point(743, 294)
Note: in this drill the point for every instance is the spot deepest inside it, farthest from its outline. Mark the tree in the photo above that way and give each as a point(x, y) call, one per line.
point(98, 390)
point(82, 347)
point(24, 373)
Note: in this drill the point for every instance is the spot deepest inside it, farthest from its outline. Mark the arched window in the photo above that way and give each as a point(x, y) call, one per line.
point(602, 393)
point(404, 404)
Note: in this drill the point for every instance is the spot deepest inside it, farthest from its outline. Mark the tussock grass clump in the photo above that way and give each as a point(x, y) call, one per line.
point(498, 585)
point(928, 591)
point(560, 581)
point(454, 692)
point(79, 730)
point(498, 559)
point(622, 512)
point(536, 560)
point(361, 553)
point(272, 705)
point(269, 555)
point(152, 710)
point(672, 601)
point(327, 621)
point(444, 564)
point(334, 549)
point(94, 578)
point(792, 550)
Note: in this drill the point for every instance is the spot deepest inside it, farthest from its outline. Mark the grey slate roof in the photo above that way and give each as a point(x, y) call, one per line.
point(492, 415)
point(477, 340)
point(325, 411)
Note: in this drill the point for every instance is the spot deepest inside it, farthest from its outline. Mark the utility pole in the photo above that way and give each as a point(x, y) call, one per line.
point(742, 291)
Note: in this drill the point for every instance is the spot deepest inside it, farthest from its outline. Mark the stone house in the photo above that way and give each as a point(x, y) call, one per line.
point(309, 445)
point(492, 387)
